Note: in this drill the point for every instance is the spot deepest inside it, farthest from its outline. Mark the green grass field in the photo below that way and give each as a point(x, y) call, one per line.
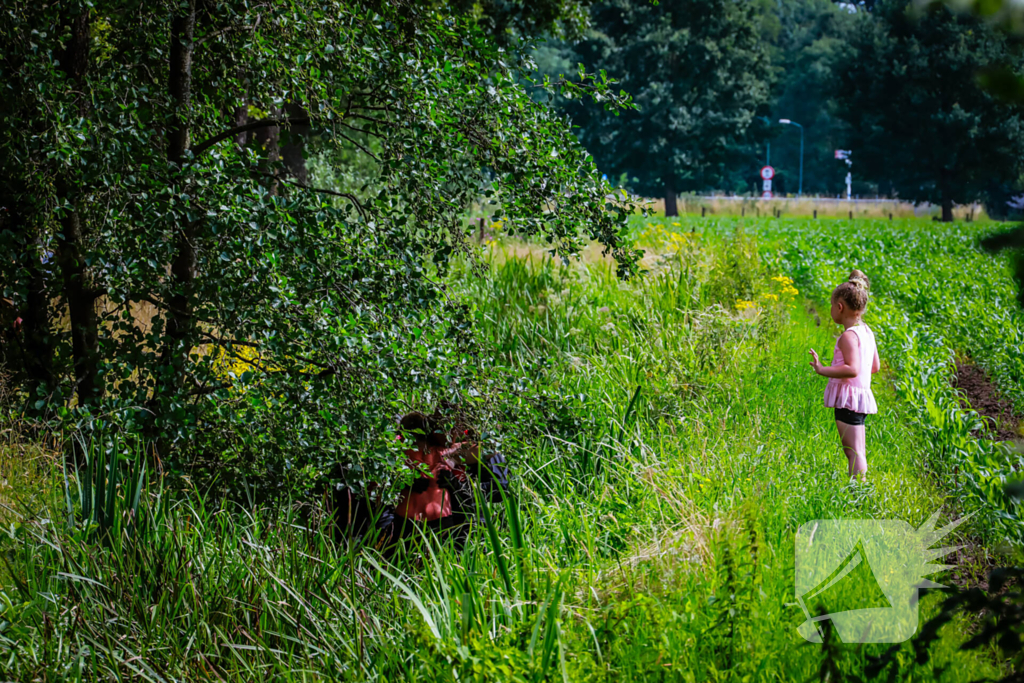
point(650, 534)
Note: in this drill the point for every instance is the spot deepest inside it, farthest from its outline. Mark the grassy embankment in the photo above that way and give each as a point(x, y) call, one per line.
point(650, 535)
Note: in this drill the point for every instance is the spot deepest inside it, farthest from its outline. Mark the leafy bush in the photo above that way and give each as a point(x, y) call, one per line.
point(159, 215)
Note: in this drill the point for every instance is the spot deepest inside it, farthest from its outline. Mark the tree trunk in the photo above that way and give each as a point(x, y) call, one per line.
point(81, 308)
point(28, 342)
point(671, 209)
point(293, 147)
point(286, 146)
point(947, 197)
point(35, 318)
point(80, 300)
point(242, 118)
point(183, 29)
point(270, 138)
point(178, 337)
point(274, 151)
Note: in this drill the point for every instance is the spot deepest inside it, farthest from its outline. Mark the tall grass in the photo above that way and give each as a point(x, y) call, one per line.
point(648, 533)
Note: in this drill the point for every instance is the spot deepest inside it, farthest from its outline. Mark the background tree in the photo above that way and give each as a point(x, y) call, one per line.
point(919, 122)
point(515, 23)
point(1007, 85)
point(698, 74)
point(809, 49)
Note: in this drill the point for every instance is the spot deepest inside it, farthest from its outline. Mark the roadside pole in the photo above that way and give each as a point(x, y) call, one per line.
point(767, 173)
point(844, 154)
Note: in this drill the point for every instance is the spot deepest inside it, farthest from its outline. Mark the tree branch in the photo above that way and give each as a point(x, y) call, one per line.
point(365, 151)
point(367, 108)
point(245, 128)
point(225, 342)
point(359, 130)
point(203, 391)
point(217, 34)
point(380, 122)
point(355, 202)
point(139, 296)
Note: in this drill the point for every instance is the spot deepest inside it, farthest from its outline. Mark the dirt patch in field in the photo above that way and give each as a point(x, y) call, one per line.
point(985, 398)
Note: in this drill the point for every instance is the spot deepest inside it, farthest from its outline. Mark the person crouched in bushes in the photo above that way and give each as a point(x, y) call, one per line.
point(437, 496)
point(489, 472)
point(441, 497)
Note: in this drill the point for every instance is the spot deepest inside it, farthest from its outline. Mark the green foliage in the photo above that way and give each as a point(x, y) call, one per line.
point(1013, 241)
point(1000, 609)
point(697, 72)
point(809, 50)
point(513, 22)
point(1005, 14)
point(649, 534)
point(177, 276)
point(960, 140)
point(104, 493)
point(802, 47)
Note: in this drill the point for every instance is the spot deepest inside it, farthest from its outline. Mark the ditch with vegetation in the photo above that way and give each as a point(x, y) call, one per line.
point(666, 438)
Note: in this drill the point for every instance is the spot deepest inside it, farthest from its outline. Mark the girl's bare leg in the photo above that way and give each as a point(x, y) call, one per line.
point(861, 466)
point(854, 442)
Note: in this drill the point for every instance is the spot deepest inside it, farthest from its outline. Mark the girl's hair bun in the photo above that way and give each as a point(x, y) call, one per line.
point(859, 279)
point(854, 292)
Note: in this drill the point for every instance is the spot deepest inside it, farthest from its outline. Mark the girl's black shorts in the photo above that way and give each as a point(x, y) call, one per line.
point(850, 417)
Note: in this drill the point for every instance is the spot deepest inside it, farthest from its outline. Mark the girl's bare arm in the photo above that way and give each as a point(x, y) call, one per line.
point(849, 345)
point(876, 364)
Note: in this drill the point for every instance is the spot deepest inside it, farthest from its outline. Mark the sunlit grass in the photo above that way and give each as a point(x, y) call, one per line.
point(648, 535)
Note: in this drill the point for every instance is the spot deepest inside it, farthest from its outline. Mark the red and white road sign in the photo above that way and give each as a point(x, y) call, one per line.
point(843, 154)
point(767, 194)
point(767, 173)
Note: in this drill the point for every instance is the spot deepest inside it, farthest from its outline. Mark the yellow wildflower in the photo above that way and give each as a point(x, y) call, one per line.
point(743, 304)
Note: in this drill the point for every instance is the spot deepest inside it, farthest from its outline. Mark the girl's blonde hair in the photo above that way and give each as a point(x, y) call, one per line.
point(853, 292)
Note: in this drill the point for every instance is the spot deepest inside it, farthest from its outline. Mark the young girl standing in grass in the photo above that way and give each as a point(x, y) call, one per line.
point(854, 360)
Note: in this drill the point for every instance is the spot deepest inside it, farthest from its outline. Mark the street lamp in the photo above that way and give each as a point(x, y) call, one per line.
point(800, 192)
point(768, 143)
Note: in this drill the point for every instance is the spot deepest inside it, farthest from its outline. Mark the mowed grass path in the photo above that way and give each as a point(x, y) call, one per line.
point(781, 446)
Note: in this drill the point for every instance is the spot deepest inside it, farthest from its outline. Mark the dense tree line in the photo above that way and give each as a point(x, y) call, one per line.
point(698, 74)
point(907, 87)
point(921, 123)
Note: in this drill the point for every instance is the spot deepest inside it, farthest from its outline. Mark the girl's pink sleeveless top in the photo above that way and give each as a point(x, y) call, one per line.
point(854, 393)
